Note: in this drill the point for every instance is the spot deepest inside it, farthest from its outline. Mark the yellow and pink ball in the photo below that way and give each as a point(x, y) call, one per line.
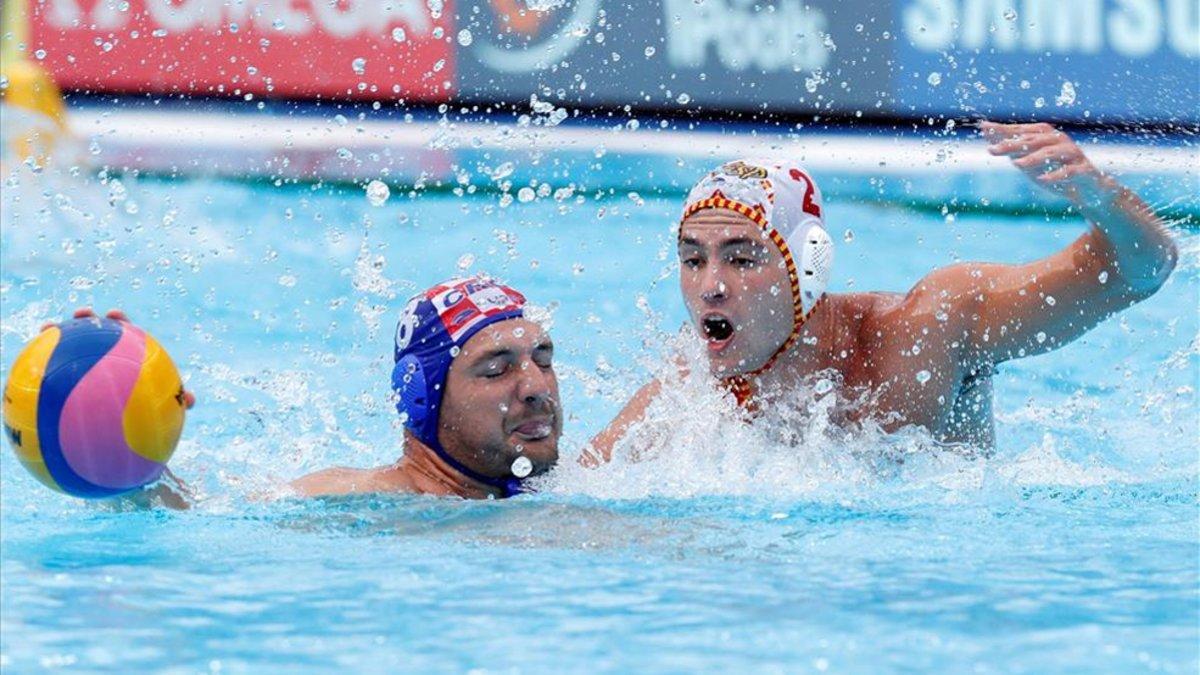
point(94, 407)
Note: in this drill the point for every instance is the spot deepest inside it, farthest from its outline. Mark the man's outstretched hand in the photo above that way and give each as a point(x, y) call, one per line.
point(1048, 156)
point(189, 399)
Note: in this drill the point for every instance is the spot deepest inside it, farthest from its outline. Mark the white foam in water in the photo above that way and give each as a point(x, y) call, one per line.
point(695, 441)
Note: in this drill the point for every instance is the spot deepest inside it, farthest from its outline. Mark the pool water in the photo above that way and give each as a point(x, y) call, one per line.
point(1074, 547)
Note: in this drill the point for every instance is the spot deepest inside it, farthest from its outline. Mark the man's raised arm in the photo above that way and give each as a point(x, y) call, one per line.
point(1021, 310)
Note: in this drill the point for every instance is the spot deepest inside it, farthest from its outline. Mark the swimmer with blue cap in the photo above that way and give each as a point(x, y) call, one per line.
point(477, 394)
point(755, 261)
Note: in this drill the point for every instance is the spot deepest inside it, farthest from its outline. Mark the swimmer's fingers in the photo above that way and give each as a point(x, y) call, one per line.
point(995, 131)
point(81, 313)
point(118, 315)
point(189, 399)
point(588, 460)
point(1047, 158)
point(1021, 146)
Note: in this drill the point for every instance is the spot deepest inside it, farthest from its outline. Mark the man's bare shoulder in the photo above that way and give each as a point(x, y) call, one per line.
point(941, 295)
point(884, 319)
point(868, 309)
point(347, 481)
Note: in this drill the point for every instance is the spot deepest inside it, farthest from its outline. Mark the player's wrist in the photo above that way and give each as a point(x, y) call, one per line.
point(1095, 191)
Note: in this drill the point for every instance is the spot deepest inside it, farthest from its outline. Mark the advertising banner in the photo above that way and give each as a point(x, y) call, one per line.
point(364, 49)
point(1098, 60)
point(1060, 59)
point(1110, 60)
point(781, 56)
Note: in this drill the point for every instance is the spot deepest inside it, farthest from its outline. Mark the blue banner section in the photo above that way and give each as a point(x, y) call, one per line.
point(1110, 60)
point(1085, 60)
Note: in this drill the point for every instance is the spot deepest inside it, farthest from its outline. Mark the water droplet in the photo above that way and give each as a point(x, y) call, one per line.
point(503, 171)
point(934, 79)
point(116, 192)
point(923, 376)
point(823, 387)
point(683, 99)
point(526, 194)
point(378, 193)
point(465, 38)
point(650, 52)
point(522, 467)
point(359, 65)
point(465, 262)
point(848, 236)
point(455, 351)
point(1103, 277)
point(1066, 95)
point(1040, 337)
point(1050, 300)
point(1009, 14)
point(398, 34)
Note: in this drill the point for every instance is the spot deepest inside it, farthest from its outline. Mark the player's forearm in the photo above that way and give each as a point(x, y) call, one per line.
point(599, 450)
point(1140, 249)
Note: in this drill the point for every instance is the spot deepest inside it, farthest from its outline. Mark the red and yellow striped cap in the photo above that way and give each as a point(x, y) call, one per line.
point(783, 199)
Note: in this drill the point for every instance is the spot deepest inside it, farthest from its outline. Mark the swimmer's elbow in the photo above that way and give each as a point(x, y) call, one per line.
point(1168, 259)
point(1147, 282)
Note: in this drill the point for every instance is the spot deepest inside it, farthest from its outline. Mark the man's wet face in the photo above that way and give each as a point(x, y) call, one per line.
point(736, 288)
point(501, 400)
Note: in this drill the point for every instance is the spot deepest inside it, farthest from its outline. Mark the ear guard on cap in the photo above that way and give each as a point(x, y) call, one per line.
point(412, 402)
point(816, 265)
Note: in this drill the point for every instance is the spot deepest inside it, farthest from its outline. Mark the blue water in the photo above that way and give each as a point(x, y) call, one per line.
point(1075, 547)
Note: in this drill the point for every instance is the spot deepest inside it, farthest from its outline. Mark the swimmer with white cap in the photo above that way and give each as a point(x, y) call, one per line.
point(477, 394)
point(755, 260)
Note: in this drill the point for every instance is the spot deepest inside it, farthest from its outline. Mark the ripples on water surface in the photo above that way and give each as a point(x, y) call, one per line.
point(1074, 546)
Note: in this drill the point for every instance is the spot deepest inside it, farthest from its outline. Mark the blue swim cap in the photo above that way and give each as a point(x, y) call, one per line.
point(433, 328)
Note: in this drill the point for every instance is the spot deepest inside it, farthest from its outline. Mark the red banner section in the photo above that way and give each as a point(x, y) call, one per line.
point(363, 49)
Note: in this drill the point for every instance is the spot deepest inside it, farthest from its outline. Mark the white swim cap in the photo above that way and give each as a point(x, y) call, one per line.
point(785, 201)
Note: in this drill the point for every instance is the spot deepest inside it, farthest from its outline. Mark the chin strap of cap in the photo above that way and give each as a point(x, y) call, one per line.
point(509, 487)
point(742, 386)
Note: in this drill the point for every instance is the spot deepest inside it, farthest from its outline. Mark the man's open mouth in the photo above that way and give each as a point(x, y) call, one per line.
point(718, 330)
